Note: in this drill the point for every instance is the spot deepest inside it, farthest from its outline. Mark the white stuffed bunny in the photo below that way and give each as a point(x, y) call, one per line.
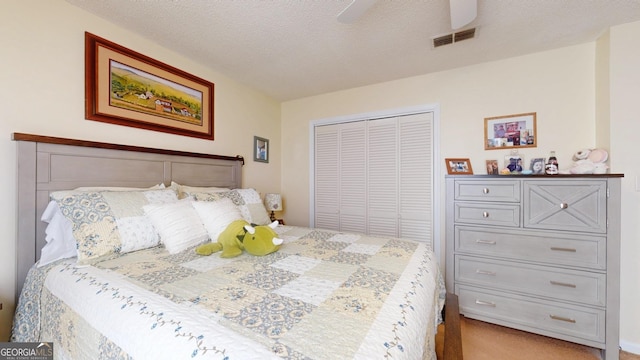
point(589, 161)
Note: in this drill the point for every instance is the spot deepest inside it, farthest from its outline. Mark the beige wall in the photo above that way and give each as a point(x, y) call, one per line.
point(559, 85)
point(624, 95)
point(42, 92)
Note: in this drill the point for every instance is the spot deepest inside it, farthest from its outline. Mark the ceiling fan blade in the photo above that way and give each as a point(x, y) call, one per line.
point(355, 10)
point(462, 12)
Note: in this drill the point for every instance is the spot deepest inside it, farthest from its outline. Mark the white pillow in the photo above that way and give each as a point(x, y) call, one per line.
point(59, 236)
point(178, 224)
point(217, 215)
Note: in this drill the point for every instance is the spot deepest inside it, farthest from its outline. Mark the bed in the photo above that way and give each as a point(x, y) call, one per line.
point(323, 295)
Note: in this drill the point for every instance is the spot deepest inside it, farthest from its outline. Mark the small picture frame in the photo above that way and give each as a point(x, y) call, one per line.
point(492, 167)
point(537, 166)
point(514, 163)
point(458, 166)
point(260, 149)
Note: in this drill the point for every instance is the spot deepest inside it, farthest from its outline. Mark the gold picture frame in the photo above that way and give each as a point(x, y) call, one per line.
point(460, 166)
point(510, 132)
point(124, 87)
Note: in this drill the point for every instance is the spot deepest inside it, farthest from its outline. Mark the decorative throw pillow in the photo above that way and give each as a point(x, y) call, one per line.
point(110, 222)
point(178, 224)
point(185, 191)
point(217, 215)
point(246, 200)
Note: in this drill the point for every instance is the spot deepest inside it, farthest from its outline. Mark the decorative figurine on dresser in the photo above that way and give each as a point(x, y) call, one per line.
point(538, 253)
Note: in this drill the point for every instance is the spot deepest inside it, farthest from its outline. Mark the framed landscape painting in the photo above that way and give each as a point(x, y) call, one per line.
point(127, 88)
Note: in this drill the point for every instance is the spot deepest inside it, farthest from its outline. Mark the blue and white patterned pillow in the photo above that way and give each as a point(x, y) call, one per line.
point(111, 222)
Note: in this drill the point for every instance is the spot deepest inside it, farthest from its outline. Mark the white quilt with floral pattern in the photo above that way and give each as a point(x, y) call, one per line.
point(323, 295)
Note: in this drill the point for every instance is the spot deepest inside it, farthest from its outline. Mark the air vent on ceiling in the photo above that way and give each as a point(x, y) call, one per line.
point(454, 37)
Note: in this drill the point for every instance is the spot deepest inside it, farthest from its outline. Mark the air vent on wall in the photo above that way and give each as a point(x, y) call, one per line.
point(454, 37)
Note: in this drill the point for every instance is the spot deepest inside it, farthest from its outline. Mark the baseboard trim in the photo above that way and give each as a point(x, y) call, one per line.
point(630, 347)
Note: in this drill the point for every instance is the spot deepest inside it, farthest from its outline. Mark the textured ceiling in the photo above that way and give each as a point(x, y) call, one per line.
point(296, 48)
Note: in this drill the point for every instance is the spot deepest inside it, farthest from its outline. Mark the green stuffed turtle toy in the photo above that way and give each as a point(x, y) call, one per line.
point(240, 235)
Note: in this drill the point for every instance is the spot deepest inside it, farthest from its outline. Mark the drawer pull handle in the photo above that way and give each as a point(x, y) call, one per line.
point(485, 214)
point(485, 191)
point(485, 242)
point(562, 318)
point(485, 303)
point(563, 284)
point(486, 272)
point(564, 205)
point(563, 249)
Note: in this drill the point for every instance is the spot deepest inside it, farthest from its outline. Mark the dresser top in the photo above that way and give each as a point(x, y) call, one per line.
point(563, 176)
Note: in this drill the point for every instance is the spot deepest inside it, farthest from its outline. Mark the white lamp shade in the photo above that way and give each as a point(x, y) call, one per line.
point(273, 202)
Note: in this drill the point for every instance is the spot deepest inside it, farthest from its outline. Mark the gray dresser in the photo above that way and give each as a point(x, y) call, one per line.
point(538, 253)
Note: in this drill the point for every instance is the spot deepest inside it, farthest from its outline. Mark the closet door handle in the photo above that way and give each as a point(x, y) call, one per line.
point(564, 205)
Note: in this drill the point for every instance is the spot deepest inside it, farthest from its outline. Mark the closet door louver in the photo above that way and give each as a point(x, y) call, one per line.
point(383, 177)
point(353, 177)
point(415, 159)
point(327, 160)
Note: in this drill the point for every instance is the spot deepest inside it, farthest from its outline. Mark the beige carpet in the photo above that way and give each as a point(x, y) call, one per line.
point(484, 341)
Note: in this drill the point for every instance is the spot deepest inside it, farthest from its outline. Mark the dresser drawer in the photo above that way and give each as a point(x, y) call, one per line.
point(567, 205)
point(587, 251)
point(487, 190)
point(585, 287)
point(534, 315)
point(487, 214)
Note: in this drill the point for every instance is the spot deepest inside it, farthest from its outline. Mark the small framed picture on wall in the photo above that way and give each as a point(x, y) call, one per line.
point(510, 131)
point(260, 149)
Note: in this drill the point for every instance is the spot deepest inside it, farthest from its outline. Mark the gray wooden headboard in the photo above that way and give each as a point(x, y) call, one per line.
point(46, 164)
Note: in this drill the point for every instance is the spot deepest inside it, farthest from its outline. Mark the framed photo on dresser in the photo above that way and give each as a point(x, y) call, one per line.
point(458, 166)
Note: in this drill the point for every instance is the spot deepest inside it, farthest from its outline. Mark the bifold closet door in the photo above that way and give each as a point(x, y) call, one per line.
point(340, 177)
point(374, 176)
point(382, 177)
point(415, 166)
